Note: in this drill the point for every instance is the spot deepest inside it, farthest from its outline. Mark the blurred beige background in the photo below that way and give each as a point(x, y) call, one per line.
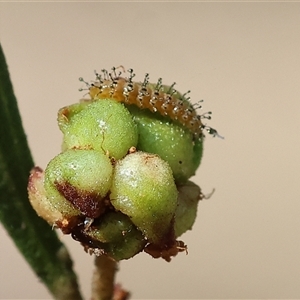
point(244, 60)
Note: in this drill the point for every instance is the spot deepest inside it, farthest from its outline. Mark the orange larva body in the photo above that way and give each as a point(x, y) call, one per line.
point(149, 96)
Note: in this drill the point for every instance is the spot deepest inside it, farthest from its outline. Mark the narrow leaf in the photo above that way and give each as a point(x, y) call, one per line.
point(35, 239)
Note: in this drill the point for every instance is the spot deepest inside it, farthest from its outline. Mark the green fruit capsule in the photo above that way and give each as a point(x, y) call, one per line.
point(172, 142)
point(186, 212)
point(143, 188)
point(38, 198)
point(104, 125)
point(77, 180)
point(112, 234)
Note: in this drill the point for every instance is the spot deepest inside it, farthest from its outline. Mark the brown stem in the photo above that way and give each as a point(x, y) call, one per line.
point(103, 278)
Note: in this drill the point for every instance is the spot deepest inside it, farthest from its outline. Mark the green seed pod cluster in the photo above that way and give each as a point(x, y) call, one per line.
point(121, 183)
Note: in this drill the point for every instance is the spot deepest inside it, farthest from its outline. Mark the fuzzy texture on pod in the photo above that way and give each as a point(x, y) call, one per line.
point(172, 142)
point(143, 188)
point(104, 125)
point(77, 180)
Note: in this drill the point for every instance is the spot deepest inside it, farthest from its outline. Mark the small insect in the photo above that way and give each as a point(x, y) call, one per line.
point(159, 98)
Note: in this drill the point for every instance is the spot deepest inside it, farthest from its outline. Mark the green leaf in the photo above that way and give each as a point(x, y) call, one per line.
point(36, 240)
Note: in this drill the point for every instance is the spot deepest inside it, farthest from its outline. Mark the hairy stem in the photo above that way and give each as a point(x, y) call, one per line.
point(103, 278)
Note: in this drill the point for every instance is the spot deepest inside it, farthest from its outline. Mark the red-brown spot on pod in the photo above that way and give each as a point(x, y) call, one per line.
point(89, 204)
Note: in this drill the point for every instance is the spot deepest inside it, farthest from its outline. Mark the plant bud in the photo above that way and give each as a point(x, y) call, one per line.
point(143, 188)
point(186, 212)
point(112, 234)
point(172, 142)
point(38, 197)
point(104, 125)
point(77, 180)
